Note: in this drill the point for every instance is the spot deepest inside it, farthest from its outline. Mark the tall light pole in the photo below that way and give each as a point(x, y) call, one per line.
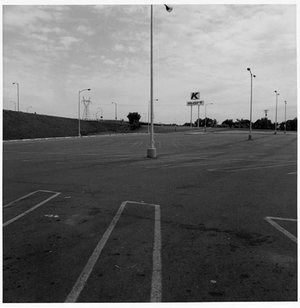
point(251, 89)
point(276, 93)
point(116, 115)
point(151, 151)
point(18, 95)
point(205, 115)
point(79, 133)
point(285, 117)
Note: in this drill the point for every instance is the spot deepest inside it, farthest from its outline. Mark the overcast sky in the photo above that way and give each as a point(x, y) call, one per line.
point(55, 51)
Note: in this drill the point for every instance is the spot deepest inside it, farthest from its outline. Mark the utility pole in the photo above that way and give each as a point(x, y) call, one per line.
point(285, 117)
point(251, 89)
point(79, 131)
point(276, 93)
point(116, 112)
point(151, 151)
point(86, 112)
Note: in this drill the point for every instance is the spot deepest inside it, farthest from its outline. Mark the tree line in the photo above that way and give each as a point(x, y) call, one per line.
point(262, 123)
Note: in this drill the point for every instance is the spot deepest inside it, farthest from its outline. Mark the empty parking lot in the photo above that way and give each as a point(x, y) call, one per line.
point(213, 218)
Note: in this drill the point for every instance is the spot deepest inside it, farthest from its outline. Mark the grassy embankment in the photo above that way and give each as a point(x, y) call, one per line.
point(21, 125)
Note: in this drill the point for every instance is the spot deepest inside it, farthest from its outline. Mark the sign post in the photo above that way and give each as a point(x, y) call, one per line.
point(195, 101)
point(198, 115)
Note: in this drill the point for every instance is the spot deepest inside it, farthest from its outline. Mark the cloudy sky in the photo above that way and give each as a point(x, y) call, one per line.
point(55, 51)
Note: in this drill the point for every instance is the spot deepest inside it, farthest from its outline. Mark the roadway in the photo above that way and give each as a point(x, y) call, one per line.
point(194, 229)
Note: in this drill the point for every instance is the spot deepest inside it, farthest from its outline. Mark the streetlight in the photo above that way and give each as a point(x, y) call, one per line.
point(116, 117)
point(285, 117)
point(151, 151)
point(18, 95)
point(251, 87)
point(148, 130)
point(275, 131)
point(79, 133)
point(205, 115)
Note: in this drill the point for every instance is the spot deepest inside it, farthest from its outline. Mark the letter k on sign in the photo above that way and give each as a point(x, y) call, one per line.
point(195, 95)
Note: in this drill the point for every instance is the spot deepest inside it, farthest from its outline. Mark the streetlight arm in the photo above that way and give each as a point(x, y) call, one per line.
point(85, 90)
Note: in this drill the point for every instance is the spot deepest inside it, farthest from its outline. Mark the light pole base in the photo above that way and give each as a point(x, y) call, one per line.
point(151, 153)
point(249, 137)
point(275, 133)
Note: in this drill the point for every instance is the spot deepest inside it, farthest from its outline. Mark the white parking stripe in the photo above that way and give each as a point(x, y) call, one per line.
point(156, 285)
point(82, 279)
point(19, 199)
point(29, 210)
point(252, 168)
point(281, 229)
point(32, 193)
point(262, 167)
point(156, 272)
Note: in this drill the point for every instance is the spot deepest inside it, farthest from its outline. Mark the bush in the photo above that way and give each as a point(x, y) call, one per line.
point(134, 120)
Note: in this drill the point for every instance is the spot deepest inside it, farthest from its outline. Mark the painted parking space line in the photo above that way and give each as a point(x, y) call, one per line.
point(262, 167)
point(251, 168)
point(156, 285)
point(271, 221)
point(19, 199)
point(28, 195)
point(295, 172)
point(55, 194)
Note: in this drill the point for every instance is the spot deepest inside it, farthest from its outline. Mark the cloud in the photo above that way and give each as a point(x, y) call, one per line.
point(205, 47)
point(21, 16)
point(67, 41)
point(109, 62)
point(119, 47)
point(85, 30)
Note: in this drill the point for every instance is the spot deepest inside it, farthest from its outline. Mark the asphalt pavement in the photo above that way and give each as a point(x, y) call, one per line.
point(212, 219)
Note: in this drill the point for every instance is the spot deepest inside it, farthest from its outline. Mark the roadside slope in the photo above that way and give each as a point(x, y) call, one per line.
point(21, 125)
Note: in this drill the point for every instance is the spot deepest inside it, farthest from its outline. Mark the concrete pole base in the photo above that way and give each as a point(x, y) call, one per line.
point(151, 152)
